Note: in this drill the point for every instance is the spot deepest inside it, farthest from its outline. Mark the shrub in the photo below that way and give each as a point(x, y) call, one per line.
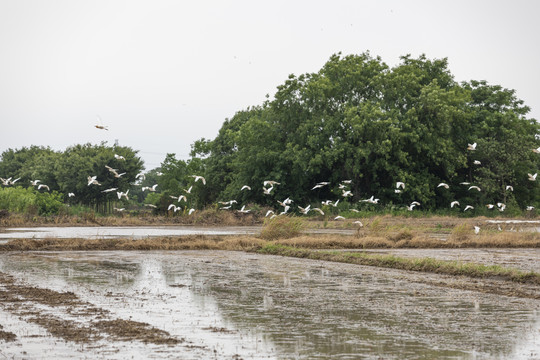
point(281, 227)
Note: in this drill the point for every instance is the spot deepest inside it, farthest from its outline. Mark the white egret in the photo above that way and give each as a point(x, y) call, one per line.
point(188, 190)
point(400, 184)
point(191, 211)
point(119, 209)
point(454, 203)
point(245, 187)
point(490, 206)
point(339, 217)
point(444, 185)
point(474, 187)
point(109, 190)
point(92, 180)
point(304, 210)
point(471, 146)
point(509, 187)
point(270, 182)
point(476, 162)
point(267, 191)
point(244, 210)
point(268, 213)
point(71, 194)
point(318, 210)
point(43, 186)
point(346, 193)
point(532, 177)
point(530, 208)
point(537, 150)
point(197, 178)
point(119, 157)
point(468, 207)
point(35, 182)
point(476, 230)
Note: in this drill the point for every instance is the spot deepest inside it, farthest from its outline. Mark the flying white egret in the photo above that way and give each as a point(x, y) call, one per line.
point(197, 178)
point(119, 209)
point(347, 181)
point(318, 210)
point(530, 208)
point(342, 186)
point(267, 191)
point(468, 207)
point(471, 146)
point(151, 205)
point(244, 210)
point(400, 184)
point(444, 185)
point(245, 187)
point(532, 177)
point(476, 162)
point(92, 180)
point(174, 207)
point(509, 187)
point(415, 203)
point(339, 217)
point(270, 182)
point(191, 211)
point(371, 200)
point(359, 223)
point(304, 210)
point(346, 193)
point(35, 182)
point(501, 206)
point(454, 203)
point(397, 191)
point(152, 189)
point(100, 125)
point(140, 176)
point(109, 190)
point(43, 186)
point(71, 194)
point(119, 157)
point(490, 206)
point(268, 213)
point(465, 183)
point(121, 194)
point(5, 182)
point(474, 187)
point(188, 190)
point(318, 186)
point(537, 150)
point(225, 207)
point(411, 207)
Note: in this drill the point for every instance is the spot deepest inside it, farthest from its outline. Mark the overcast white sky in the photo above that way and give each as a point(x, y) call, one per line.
point(162, 74)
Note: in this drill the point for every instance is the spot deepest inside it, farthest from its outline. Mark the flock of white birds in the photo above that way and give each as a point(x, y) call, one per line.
point(267, 188)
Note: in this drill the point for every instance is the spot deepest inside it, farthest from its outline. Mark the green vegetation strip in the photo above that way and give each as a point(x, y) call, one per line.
point(414, 264)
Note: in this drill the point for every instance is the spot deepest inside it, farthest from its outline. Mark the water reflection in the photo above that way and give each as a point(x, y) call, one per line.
point(264, 307)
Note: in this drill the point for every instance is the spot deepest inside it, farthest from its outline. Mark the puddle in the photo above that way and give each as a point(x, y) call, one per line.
point(232, 305)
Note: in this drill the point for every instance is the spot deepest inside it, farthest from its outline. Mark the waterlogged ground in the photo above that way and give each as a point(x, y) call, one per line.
point(234, 305)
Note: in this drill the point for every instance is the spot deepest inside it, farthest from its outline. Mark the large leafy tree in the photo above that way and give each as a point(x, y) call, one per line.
point(358, 119)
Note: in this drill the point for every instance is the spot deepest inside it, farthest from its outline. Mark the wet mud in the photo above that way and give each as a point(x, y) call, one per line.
point(232, 305)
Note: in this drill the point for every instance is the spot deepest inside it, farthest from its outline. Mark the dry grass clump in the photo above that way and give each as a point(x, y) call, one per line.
point(282, 227)
point(195, 242)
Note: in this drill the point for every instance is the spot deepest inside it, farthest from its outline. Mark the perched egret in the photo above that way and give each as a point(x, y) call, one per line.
point(476, 230)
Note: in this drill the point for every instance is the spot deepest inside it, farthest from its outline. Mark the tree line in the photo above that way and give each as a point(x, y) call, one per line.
point(355, 119)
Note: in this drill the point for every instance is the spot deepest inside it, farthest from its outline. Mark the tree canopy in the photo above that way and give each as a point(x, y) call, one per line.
point(359, 119)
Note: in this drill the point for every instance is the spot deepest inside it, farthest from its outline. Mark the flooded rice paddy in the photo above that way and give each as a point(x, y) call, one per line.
point(136, 232)
point(235, 305)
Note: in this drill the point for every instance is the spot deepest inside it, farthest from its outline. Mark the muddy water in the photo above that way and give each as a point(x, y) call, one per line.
point(231, 305)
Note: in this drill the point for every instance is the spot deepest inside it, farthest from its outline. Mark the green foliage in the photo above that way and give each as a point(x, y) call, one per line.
point(359, 119)
point(28, 200)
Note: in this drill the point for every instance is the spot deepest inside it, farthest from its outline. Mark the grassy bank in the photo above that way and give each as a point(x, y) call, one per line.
point(412, 264)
